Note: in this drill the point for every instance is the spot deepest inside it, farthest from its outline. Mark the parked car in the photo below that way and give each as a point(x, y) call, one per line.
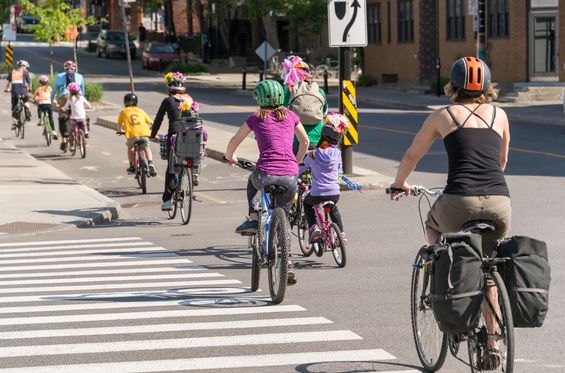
point(112, 43)
point(25, 23)
point(157, 56)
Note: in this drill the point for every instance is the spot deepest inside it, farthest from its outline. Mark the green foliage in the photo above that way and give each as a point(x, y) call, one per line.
point(306, 15)
point(93, 91)
point(366, 80)
point(442, 82)
point(5, 11)
point(188, 69)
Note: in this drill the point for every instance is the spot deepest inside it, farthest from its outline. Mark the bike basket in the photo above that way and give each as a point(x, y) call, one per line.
point(163, 144)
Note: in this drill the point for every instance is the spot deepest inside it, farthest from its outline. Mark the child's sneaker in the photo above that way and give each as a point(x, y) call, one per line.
point(39, 124)
point(249, 226)
point(86, 135)
point(130, 169)
point(290, 275)
point(54, 133)
point(315, 233)
point(344, 239)
point(195, 179)
point(152, 169)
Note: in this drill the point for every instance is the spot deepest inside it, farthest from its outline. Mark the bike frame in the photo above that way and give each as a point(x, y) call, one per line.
point(74, 132)
point(266, 208)
point(138, 153)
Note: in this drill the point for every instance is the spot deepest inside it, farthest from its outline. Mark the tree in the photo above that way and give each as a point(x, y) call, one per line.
point(54, 18)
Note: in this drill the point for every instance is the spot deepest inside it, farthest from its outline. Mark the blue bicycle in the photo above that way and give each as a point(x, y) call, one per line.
point(271, 244)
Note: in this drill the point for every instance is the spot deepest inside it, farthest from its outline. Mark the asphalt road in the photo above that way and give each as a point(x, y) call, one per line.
point(72, 313)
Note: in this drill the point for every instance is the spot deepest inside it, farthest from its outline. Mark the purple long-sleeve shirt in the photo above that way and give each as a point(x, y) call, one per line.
point(325, 171)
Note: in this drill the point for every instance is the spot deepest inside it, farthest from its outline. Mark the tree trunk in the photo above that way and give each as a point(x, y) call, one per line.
point(189, 13)
point(271, 31)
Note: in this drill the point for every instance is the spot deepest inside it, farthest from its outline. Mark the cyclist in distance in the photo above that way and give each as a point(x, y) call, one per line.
point(42, 97)
point(476, 137)
point(274, 127)
point(19, 84)
point(305, 98)
point(325, 163)
point(77, 103)
point(137, 127)
point(62, 94)
point(174, 106)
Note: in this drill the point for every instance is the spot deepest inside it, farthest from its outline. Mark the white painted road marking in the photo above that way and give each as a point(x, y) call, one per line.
point(70, 248)
point(119, 263)
point(41, 243)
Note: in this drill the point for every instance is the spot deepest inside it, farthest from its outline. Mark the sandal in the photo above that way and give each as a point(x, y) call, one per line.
point(492, 359)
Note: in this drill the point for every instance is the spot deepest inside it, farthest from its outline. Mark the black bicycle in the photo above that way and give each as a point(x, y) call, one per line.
point(431, 343)
point(296, 216)
point(21, 117)
point(183, 185)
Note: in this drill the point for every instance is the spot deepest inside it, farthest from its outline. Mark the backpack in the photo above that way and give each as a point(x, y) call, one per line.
point(307, 102)
point(457, 282)
point(527, 278)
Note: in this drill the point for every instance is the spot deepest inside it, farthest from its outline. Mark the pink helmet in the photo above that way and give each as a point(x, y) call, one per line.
point(43, 79)
point(70, 65)
point(74, 88)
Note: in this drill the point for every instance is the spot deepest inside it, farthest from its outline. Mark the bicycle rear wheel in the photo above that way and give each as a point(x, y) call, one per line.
point(174, 198)
point(431, 343)
point(22, 123)
point(47, 132)
point(82, 145)
point(142, 174)
point(185, 188)
point(17, 128)
point(73, 143)
point(480, 358)
point(337, 245)
point(255, 262)
point(279, 247)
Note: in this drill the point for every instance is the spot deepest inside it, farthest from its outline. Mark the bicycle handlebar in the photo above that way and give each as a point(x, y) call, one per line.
point(416, 190)
point(242, 163)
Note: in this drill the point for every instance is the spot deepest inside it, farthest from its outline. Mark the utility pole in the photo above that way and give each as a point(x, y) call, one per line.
point(345, 74)
point(438, 59)
point(123, 9)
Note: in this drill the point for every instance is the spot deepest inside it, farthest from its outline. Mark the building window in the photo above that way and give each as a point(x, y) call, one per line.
point(388, 23)
point(498, 18)
point(374, 23)
point(455, 20)
point(405, 21)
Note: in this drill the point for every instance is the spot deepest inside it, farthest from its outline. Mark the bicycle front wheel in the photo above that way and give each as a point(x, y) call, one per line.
point(491, 347)
point(337, 245)
point(255, 262)
point(185, 189)
point(279, 247)
point(82, 145)
point(431, 343)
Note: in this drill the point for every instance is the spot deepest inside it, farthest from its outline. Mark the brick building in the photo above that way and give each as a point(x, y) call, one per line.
point(522, 43)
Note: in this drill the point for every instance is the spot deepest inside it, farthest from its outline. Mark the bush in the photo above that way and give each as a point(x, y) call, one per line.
point(93, 91)
point(442, 81)
point(187, 69)
point(366, 80)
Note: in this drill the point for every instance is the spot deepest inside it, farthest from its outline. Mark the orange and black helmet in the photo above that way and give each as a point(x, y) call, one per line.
point(470, 74)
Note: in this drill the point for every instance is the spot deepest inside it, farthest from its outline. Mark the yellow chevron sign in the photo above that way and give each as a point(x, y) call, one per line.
point(350, 111)
point(9, 55)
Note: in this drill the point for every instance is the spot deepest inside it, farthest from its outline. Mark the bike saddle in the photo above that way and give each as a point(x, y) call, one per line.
point(479, 225)
point(275, 189)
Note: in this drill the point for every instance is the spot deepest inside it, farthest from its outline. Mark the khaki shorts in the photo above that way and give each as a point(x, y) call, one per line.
point(450, 212)
point(143, 139)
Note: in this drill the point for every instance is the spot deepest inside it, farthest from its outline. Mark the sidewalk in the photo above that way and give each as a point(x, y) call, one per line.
point(35, 197)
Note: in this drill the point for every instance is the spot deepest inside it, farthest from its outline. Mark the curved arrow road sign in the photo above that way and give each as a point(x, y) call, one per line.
point(347, 21)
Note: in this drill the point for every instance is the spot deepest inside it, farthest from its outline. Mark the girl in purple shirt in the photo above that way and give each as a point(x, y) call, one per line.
point(274, 127)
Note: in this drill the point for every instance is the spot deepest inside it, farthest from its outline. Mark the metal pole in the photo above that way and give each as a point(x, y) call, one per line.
point(326, 88)
point(244, 81)
point(345, 74)
point(481, 32)
point(438, 59)
point(127, 45)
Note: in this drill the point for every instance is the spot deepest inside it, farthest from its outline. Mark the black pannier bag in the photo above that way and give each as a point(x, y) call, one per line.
point(457, 282)
point(527, 277)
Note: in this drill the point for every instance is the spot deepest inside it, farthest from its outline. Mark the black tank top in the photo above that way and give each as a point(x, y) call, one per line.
point(474, 159)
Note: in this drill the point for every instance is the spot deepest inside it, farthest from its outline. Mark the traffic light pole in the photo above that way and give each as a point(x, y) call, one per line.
point(345, 74)
point(123, 9)
point(481, 32)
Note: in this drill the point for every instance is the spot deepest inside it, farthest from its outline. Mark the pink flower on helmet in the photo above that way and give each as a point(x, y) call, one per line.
point(294, 71)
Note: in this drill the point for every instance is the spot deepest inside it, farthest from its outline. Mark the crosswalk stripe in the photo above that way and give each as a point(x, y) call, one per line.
point(148, 315)
point(90, 240)
point(161, 328)
point(179, 343)
point(69, 248)
point(118, 263)
point(116, 271)
point(136, 285)
point(129, 253)
point(215, 362)
point(63, 255)
point(98, 280)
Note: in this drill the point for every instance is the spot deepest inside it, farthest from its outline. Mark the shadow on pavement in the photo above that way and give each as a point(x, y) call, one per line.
point(359, 366)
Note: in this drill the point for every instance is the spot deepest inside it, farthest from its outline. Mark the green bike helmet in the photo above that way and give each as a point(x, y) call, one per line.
point(269, 93)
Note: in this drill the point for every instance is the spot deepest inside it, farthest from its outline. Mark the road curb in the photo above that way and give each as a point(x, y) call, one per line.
point(105, 216)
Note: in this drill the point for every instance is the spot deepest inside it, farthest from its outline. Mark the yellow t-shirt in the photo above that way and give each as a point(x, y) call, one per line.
point(136, 122)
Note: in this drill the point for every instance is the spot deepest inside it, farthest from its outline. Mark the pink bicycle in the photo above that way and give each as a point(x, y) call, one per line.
point(331, 238)
point(77, 139)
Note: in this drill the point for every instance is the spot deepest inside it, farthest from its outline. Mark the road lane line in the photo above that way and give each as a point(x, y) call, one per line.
point(97, 280)
point(125, 161)
point(74, 253)
point(179, 343)
point(107, 287)
point(39, 243)
point(160, 177)
point(163, 328)
point(116, 271)
point(209, 198)
point(215, 362)
point(105, 153)
point(121, 316)
point(69, 247)
point(116, 263)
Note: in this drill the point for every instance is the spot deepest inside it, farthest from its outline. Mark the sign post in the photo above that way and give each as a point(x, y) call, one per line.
point(265, 52)
point(347, 22)
point(122, 6)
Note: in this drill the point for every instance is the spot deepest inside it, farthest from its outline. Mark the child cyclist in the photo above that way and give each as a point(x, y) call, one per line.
point(137, 127)
point(78, 104)
point(274, 127)
point(42, 97)
point(325, 163)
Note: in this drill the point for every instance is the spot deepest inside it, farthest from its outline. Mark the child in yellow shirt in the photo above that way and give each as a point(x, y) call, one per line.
point(137, 127)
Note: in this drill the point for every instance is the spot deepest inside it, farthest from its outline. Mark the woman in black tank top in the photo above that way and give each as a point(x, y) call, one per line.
point(476, 138)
